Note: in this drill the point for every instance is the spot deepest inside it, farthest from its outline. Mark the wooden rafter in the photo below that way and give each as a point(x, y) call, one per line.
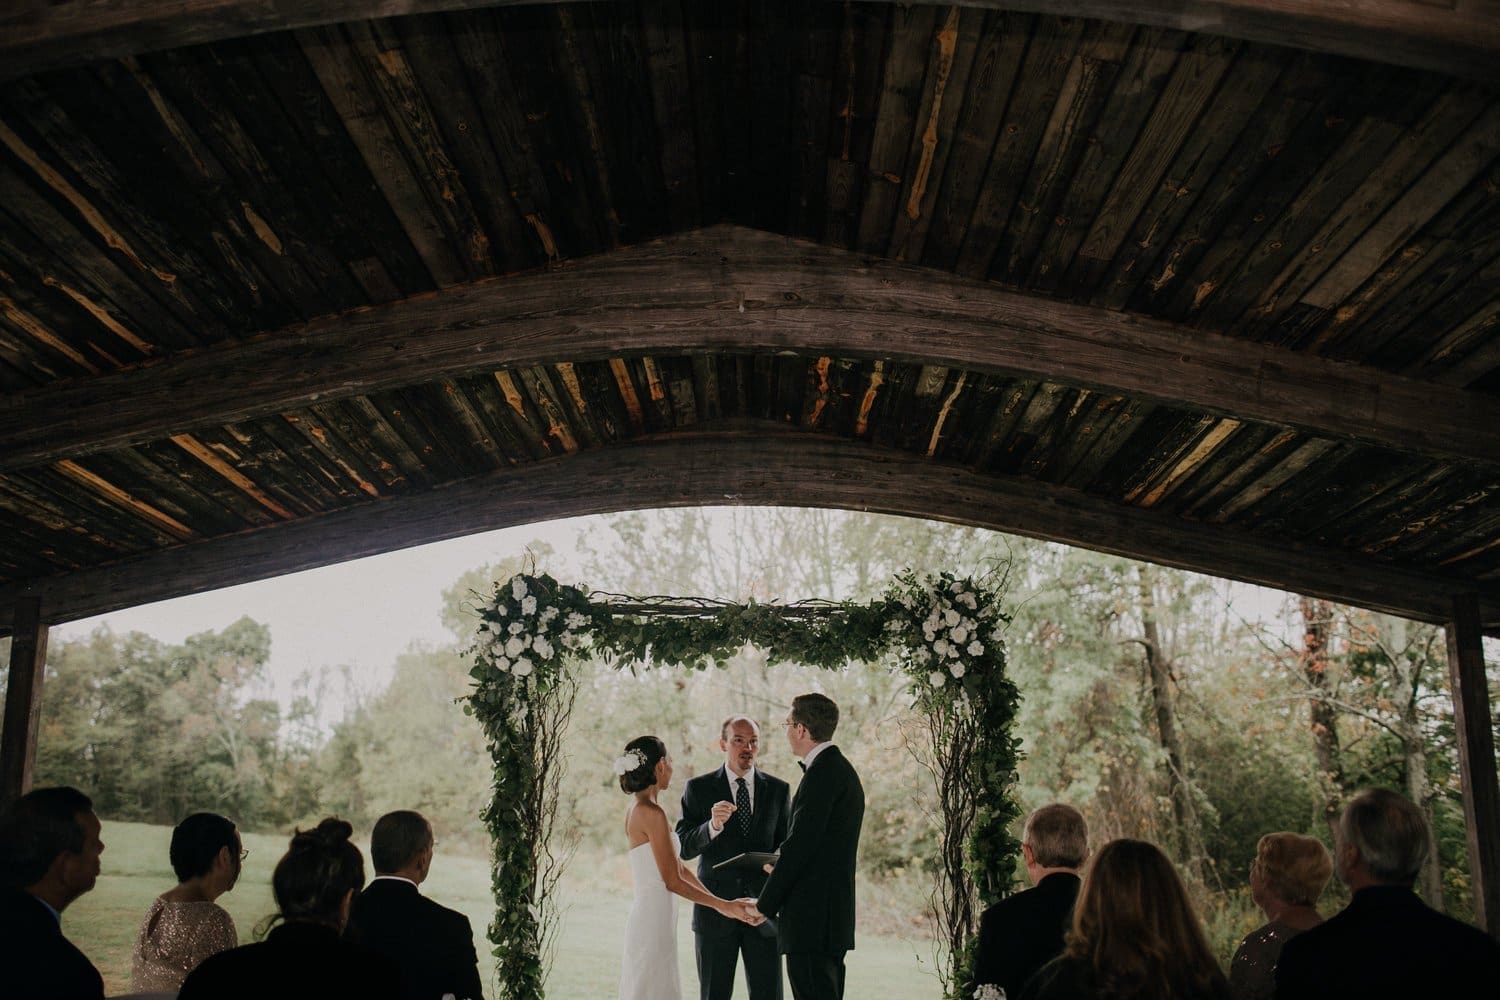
point(758, 465)
point(1462, 38)
point(730, 289)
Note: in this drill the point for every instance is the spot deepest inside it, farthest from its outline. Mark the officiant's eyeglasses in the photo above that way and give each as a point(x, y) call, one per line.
point(740, 741)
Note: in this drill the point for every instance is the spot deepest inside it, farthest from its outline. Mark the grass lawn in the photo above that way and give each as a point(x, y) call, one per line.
point(595, 895)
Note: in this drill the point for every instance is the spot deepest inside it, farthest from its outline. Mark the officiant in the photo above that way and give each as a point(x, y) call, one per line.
point(732, 810)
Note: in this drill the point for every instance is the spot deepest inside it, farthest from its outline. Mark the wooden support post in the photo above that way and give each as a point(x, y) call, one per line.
point(1476, 759)
point(23, 699)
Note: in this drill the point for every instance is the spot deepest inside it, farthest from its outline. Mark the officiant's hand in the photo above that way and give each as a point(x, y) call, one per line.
point(720, 815)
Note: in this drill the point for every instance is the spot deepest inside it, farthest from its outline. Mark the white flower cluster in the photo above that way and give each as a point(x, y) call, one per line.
point(528, 634)
point(989, 991)
point(955, 629)
point(629, 761)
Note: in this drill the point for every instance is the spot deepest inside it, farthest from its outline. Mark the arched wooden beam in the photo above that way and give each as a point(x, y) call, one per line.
point(762, 464)
point(1462, 38)
point(729, 289)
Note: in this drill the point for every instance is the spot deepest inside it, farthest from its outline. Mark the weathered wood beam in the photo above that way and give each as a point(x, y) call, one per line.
point(23, 697)
point(732, 289)
point(1460, 38)
point(754, 464)
point(1473, 724)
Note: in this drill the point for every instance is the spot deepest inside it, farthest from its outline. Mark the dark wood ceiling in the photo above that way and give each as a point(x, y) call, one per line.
point(291, 296)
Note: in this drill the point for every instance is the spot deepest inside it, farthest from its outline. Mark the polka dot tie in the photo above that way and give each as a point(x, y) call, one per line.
point(742, 806)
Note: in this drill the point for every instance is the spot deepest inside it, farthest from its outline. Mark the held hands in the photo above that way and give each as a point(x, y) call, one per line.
point(720, 815)
point(743, 909)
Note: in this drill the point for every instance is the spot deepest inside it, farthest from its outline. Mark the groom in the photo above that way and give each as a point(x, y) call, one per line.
point(810, 893)
point(726, 812)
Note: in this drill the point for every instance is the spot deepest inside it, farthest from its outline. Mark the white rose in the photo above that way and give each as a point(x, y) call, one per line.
point(576, 621)
point(542, 648)
point(929, 634)
point(937, 679)
point(516, 628)
point(528, 605)
point(959, 634)
point(514, 646)
point(967, 598)
point(940, 647)
point(549, 614)
point(952, 617)
point(522, 667)
point(956, 669)
point(518, 588)
point(952, 652)
point(976, 648)
point(502, 663)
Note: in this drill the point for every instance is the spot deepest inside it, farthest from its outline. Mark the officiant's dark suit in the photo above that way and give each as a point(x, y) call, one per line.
point(720, 940)
point(810, 893)
point(432, 945)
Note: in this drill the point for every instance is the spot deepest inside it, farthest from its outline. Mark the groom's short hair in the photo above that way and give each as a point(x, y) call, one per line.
point(818, 713)
point(397, 839)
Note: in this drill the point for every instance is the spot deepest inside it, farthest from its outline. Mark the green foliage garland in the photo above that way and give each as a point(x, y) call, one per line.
point(944, 633)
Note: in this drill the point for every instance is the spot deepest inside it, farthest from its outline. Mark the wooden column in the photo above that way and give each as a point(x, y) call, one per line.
point(1476, 759)
point(23, 699)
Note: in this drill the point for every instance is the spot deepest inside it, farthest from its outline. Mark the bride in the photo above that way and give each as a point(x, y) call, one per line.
point(650, 964)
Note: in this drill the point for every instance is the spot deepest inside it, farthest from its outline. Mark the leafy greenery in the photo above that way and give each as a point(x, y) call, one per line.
point(945, 634)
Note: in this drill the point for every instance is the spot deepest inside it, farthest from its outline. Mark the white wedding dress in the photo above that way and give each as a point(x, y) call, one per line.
point(649, 968)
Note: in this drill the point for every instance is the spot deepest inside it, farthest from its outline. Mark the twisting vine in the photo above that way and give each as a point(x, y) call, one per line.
point(945, 634)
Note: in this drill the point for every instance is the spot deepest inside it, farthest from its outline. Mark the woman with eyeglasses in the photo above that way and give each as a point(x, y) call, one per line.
point(184, 925)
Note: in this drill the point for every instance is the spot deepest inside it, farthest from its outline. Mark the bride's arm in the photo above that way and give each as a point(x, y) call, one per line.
point(674, 874)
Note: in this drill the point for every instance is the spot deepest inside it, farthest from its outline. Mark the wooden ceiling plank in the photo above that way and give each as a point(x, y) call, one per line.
point(602, 395)
point(1413, 153)
point(705, 387)
point(943, 99)
point(1143, 76)
point(54, 536)
point(997, 62)
point(1442, 182)
point(48, 497)
point(1304, 455)
point(813, 61)
point(853, 117)
point(1001, 425)
point(363, 443)
point(914, 36)
point(247, 498)
point(477, 437)
point(102, 488)
point(593, 166)
point(428, 83)
point(251, 452)
point(1196, 76)
point(1069, 133)
point(343, 76)
point(665, 42)
point(1467, 353)
point(177, 496)
point(347, 475)
point(757, 466)
point(523, 414)
point(1048, 61)
point(675, 296)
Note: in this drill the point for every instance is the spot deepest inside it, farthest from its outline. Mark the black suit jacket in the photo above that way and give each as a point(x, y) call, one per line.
point(810, 894)
point(431, 944)
point(771, 816)
point(1023, 932)
point(1387, 942)
point(36, 961)
point(296, 961)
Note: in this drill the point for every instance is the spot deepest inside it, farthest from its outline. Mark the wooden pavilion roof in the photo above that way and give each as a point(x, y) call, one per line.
point(285, 284)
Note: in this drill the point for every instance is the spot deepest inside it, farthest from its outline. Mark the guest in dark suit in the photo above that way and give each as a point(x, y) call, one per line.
point(1386, 942)
point(1023, 932)
point(305, 956)
point(49, 856)
point(731, 810)
point(810, 893)
point(432, 945)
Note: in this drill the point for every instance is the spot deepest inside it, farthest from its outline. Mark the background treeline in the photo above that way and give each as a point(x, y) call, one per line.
point(1151, 703)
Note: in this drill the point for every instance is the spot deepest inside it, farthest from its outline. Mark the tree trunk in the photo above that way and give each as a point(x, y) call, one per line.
point(1189, 837)
point(1407, 675)
point(1316, 617)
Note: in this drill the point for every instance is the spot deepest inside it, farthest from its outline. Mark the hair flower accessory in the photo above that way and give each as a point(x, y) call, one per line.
point(629, 761)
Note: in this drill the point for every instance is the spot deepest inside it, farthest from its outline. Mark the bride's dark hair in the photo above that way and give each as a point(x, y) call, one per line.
point(652, 750)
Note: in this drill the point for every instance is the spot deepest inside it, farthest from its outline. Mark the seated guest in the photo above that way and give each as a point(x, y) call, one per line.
point(432, 945)
point(1135, 936)
point(304, 957)
point(1021, 933)
point(1386, 942)
point(49, 856)
point(183, 926)
point(1288, 875)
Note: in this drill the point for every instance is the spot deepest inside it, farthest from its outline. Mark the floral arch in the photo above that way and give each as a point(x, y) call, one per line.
point(945, 634)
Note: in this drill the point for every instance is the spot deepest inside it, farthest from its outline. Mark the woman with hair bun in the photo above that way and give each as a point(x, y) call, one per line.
point(304, 955)
point(1287, 876)
point(184, 925)
point(650, 966)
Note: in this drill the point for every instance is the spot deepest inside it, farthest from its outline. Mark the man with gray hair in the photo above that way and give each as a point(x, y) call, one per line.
point(1386, 942)
point(431, 944)
point(1023, 932)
